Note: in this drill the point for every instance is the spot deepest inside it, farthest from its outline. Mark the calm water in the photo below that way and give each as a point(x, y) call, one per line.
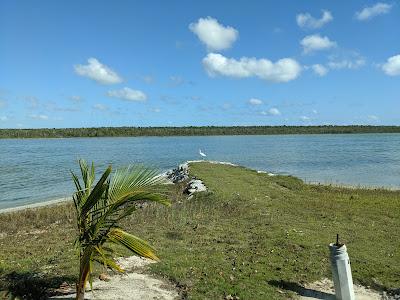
point(36, 170)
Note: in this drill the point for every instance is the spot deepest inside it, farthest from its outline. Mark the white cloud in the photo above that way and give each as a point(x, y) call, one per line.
point(283, 70)
point(305, 118)
point(316, 42)
point(3, 118)
point(255, 101)
point(38, 117)
point(214, 35)
point(320, 70)
point(346, 60)
point(392, 66)
point(314, 111)
point(100, 107)
point(307, 21)
point(97, 71)
point(346, 64)
point(373, 11)
point(128, 94)
point(274, 111)
point(271, 112)
point(373, 118)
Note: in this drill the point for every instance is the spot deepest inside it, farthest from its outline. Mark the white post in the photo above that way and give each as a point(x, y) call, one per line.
point(341, 272)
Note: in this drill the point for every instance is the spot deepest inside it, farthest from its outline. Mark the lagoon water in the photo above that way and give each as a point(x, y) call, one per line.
point(36, 170)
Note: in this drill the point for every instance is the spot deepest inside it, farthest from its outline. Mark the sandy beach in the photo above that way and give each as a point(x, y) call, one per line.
point(35, 205)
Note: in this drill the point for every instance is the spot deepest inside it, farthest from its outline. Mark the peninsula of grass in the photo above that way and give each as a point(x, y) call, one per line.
point(252, 236)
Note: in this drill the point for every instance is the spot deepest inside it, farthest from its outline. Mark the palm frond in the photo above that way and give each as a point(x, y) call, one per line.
point(100, 208)
point(107, 260)
point(133, 243)
point(97, 192)
point(132, 178)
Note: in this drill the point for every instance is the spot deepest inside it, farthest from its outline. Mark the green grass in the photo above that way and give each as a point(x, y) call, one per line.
point(251, 236)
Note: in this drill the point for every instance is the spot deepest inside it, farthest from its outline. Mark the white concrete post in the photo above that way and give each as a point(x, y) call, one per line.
point(341, 272)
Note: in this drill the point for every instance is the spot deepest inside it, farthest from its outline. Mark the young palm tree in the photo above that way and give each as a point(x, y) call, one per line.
point(99, 209)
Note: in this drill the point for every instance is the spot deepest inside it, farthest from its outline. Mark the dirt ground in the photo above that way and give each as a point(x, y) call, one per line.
point(135, 284)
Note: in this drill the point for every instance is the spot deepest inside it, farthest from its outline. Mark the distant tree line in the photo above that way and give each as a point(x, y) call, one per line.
point(190, 131)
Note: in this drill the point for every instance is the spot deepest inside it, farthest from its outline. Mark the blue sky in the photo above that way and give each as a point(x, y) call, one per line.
point(179, 63)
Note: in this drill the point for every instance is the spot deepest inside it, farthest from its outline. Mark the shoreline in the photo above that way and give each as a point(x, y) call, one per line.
point(312, 183)
point(35, 205)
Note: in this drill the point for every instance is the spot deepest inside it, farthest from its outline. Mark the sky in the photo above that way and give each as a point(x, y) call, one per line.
point(194, 63)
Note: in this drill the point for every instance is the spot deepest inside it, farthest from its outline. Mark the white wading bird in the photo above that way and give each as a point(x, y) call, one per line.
point(202, 154)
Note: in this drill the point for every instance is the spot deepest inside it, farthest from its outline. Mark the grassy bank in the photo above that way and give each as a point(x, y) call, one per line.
point(253, 236)
point(192, 131)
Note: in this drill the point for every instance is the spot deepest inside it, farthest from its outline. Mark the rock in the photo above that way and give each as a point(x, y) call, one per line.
point(179, 174)
point(195, 186)
point(64, 288)
point(104, 277)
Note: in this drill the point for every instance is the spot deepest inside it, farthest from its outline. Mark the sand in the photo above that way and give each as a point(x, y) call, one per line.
point(324, 290)
point(135, 284)
point(35, 205)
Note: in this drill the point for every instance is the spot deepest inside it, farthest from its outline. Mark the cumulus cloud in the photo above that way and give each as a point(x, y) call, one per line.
point(213, 34)
point(283, 70)
point(128, 94)
point(271, 112)
point(392, 66)
point(255, 101)
point(372, 11)
point(305, 20)
point(3, 118)
point(97, 71)
point(319, 69)
point(316, 42)
point(38, 117)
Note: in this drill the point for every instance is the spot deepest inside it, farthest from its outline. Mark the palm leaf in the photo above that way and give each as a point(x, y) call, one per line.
point(133, 178)
point(97, 192)
point(133, 243)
